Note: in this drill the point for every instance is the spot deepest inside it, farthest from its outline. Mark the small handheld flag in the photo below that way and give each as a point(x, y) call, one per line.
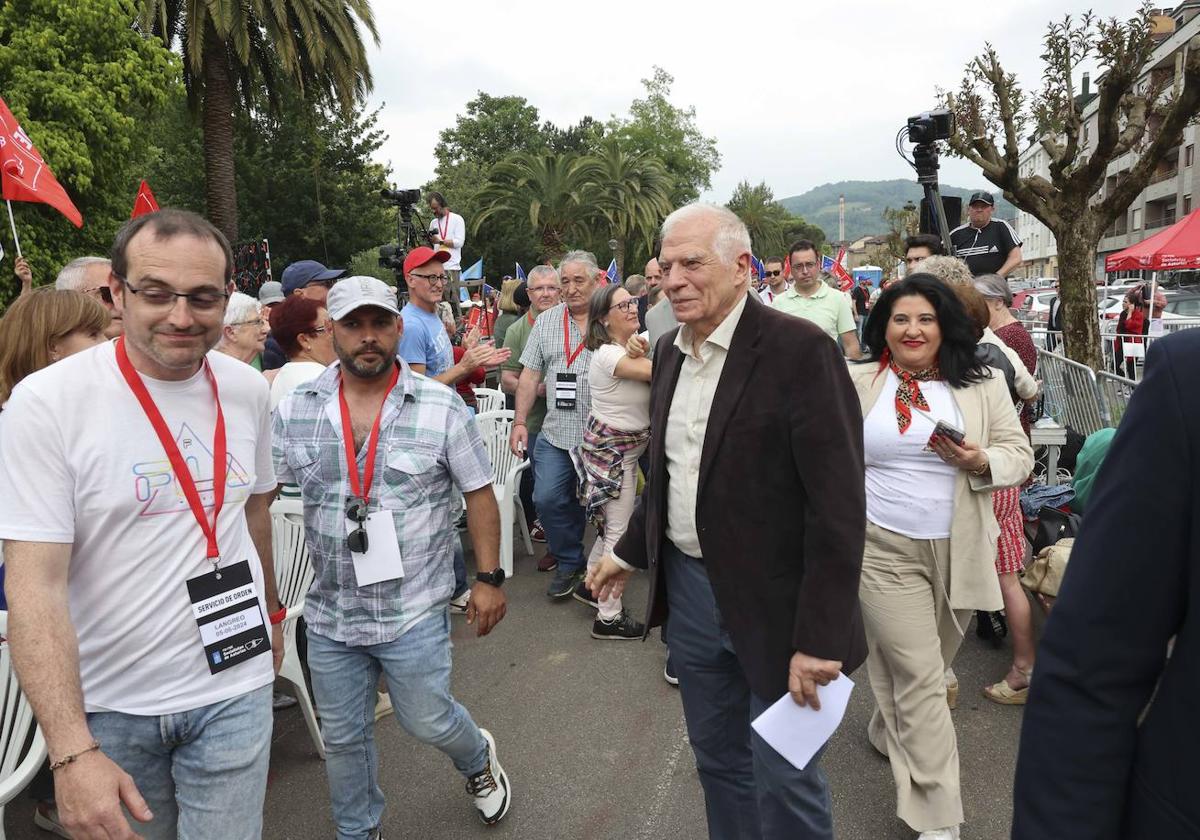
point(144, 202)
point(612, 274)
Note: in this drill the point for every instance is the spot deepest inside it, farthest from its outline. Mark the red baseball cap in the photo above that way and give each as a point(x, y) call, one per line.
point(419, 256)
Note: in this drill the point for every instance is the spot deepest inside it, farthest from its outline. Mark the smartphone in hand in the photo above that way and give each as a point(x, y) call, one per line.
point(944, 429)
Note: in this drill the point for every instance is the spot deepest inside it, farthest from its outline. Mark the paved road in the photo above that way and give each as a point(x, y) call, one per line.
point(594, 742)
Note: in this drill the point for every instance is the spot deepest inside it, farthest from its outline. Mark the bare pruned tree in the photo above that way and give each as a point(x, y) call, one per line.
point(1138, 110)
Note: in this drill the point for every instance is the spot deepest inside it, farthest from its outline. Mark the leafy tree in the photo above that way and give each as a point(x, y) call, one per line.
point(670, 133)
point(305, 178)
point(556, 193)
point(492, 128)
point(83, 86)
point(234, 49)
point(772, 228)
point(633, 194)
point(1140, 112)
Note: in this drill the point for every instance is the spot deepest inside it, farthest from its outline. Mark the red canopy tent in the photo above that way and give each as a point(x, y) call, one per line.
point(1177, 247)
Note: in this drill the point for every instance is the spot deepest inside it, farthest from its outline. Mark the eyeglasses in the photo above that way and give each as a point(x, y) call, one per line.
point(164, 298)
point(356, 511)
point(328, 284)
point(806, 266)
point(318, 329)
point(625, 305)
point(432, 279)
point(104, 293)
point(258, 322)
point(772, 273)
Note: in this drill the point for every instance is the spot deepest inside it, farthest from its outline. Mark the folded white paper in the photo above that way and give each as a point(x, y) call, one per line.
point(797, 732)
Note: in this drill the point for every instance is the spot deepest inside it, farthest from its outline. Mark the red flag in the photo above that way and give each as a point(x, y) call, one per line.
point(144, 203)
point(23, 173)
point(844, 278)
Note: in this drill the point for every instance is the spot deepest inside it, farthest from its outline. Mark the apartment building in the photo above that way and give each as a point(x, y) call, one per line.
point(1169, 195)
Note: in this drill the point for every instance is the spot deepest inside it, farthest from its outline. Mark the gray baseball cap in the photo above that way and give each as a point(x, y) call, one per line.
point(270, 292)
point(352, 293)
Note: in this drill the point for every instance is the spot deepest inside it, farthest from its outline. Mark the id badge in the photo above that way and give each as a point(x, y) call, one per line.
point(225, 604)
point(566, 387)
point(381, 561)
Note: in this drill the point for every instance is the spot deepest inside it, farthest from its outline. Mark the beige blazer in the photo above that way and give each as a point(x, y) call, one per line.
point(990, 422)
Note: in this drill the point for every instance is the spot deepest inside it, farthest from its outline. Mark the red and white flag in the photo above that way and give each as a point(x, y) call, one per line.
point(24, 175)
point(144, 203)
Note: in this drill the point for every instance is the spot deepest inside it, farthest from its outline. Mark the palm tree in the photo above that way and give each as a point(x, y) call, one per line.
point(241, 48)
point(765, 219)
point(633, 194)
point(557, 192)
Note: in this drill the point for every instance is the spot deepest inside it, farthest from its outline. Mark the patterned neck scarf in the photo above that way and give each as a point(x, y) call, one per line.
point(908, 392)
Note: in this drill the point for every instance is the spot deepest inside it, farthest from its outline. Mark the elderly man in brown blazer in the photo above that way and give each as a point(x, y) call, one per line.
point(751, 527)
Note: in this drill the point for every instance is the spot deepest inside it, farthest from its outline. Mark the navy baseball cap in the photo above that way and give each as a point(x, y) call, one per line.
point(299, 274)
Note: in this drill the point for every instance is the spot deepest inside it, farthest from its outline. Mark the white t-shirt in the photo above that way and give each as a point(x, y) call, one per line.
point(80, 464)
point(453, 231)
point(621, 403)
point(290, 376)
point(909, 491)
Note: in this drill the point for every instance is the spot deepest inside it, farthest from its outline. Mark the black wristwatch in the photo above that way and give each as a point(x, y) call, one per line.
point(495, 578)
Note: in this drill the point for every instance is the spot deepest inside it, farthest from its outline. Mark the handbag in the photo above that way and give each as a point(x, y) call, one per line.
point(1044, 575)
point(1054, 525)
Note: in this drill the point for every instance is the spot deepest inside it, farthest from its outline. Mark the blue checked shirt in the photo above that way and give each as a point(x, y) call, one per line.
point(545, 352)
point(429, 450)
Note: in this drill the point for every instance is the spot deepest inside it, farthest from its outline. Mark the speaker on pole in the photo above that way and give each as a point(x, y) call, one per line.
point(953, 207)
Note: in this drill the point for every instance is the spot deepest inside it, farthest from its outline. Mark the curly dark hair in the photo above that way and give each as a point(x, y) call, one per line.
point(956, 357)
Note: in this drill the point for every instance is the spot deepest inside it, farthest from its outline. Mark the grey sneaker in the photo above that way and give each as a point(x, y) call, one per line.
point(490, 787)
point(564, 583)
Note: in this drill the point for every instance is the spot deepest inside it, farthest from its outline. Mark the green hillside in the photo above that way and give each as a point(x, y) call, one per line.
point(866, 201)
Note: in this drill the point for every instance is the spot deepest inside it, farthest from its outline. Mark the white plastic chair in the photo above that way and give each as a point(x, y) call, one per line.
point(495, 428)
point(20, 757)
point(488, 400)
point(293, 577)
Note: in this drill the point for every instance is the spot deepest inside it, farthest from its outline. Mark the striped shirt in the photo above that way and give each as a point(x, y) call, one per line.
point(429, 450)
point(546, 353)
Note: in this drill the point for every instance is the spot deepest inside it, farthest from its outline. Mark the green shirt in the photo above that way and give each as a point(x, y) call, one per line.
point(1087, 465)
point(515, 338)
point(828, 308)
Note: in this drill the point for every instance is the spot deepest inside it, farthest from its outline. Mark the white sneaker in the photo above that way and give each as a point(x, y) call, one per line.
point(458, 606)
point(490, 786)
point(948, 833)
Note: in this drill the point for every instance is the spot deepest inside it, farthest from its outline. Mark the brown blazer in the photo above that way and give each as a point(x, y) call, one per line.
point(780, 509)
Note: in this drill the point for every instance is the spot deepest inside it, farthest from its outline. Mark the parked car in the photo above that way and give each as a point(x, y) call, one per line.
point(1036, 306)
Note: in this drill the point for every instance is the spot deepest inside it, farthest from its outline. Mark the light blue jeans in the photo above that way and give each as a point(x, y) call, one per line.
point(344, 678)
point(203, 772)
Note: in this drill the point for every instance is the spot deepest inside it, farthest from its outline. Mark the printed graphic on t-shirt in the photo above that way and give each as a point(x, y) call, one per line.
point(159, 492)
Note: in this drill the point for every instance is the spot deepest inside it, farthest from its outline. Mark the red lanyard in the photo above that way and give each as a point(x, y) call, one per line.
point(571, 357)
point(182, 474)
point(443, 229)
point(363, 490)
point(529, 317)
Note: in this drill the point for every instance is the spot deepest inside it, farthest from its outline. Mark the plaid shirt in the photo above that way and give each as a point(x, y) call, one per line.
point(428, 445)
point(545, 352)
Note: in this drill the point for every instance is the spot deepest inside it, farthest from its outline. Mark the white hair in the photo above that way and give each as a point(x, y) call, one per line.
point(585, 257)
point(730, 239)
point(241, 308)
point(544, 271)
point(73, 274)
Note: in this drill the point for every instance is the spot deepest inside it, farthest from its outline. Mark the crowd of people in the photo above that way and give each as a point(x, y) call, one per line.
point(143, 618)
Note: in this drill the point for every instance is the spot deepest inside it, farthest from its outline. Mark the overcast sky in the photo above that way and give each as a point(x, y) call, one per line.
point(807, 94)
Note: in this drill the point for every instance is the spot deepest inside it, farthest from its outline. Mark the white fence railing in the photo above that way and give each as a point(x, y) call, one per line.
point(1122, 355)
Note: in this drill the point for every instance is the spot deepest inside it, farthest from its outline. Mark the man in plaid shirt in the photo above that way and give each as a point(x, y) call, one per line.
point(377, 515)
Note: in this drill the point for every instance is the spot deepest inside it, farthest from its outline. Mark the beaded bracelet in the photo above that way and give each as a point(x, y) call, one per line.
point(68, 759)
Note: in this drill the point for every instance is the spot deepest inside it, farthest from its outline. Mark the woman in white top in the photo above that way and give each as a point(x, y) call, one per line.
point(618, 429)
point(931, 533)
point(301, 326)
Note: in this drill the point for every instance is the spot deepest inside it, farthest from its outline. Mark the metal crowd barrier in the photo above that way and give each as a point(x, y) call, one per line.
point(1070, 394)
point(1114, 392)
